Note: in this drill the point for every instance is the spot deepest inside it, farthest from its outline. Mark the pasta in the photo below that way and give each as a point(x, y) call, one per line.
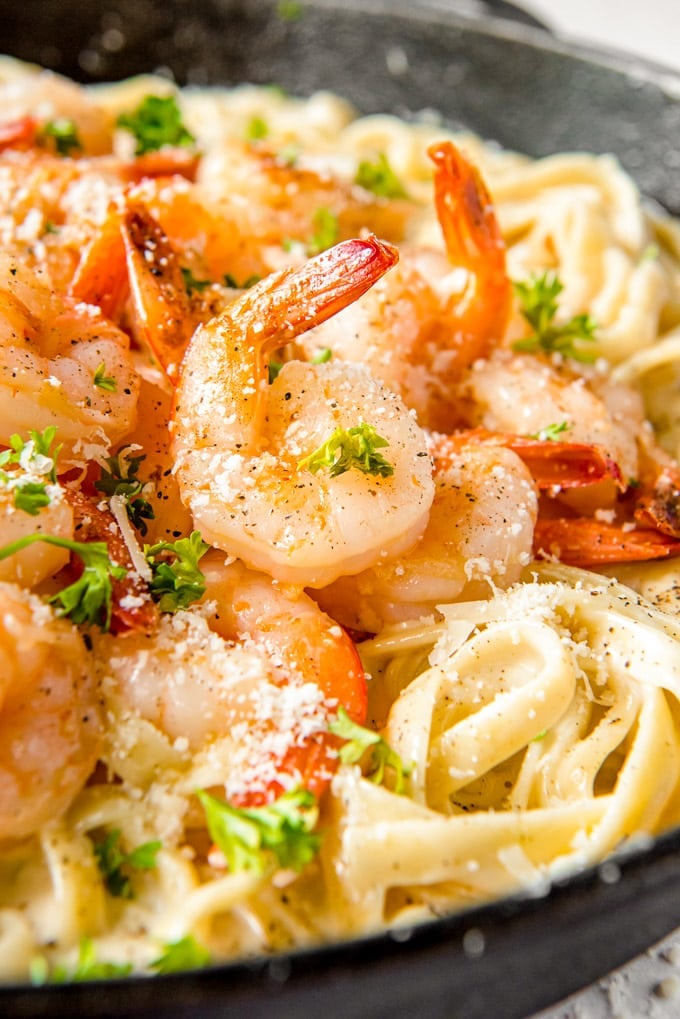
point(252, 455)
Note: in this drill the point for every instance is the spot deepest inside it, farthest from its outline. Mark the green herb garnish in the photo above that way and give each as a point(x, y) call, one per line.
point(360, 741)
point(350, 449)
point(115, 865)
point(121, 479)
point(289, 10)
point(191, 283)
point(181, 955)
point(259, 839)
point(88, 599)
point(103, 381)
point(380, 178)
point(64, 133)
point(156, 122)
point(326, 230)
point(551, 433)
point(257, 129)
point(88, 967)
point(248, 282)
point(175, 585)
point(538, 304)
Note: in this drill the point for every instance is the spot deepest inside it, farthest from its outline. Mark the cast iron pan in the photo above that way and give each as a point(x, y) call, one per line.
point(513, 83)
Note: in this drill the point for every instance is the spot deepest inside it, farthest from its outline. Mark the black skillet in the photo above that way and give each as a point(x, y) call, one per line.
point(513, 83)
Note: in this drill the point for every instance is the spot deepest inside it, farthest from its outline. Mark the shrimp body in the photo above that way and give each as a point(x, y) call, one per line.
point(479, 535)
point(435, 313)
point(239, 441)
point(49, 713)
point(249, 683)
point(54, 351)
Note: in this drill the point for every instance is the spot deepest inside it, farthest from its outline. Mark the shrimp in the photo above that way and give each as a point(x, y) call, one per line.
point(63, 364)
point(239, 442)
point(49, 713)
point(434, 314)
point(248, 682)
point(479, 535)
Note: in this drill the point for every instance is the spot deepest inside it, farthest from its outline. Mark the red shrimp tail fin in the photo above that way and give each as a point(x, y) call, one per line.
point(100, 277)
point(585, 542)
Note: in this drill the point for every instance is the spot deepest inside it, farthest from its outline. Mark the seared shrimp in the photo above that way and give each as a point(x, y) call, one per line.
point(479, 535)
point(434, 314)
point(241, 444)
point(247, 685)
point(62, 364)
point(49, 713)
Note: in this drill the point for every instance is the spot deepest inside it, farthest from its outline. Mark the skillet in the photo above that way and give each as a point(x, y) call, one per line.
point(512, 83)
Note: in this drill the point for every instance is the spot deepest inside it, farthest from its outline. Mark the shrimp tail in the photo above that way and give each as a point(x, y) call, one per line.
point(472, 237)
point(660, 507)
point(160, 301)
point(585, 542)
point(100, 277)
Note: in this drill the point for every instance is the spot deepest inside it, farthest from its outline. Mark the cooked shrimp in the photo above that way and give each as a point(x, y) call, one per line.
point(433, 315)
point(49, 713)
point(479, 535)
point(239, 442)
point(527, 394)
point(263, 682)
point(63, 364)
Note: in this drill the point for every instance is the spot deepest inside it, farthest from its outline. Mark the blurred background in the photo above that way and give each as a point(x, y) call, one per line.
point(649, 29)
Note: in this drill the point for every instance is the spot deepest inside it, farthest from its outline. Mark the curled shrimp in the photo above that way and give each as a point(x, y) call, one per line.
point(240, 442)
point(49, 713)
point(246, 685)
point(434, 314)
point(479, 535)
point(63, 364)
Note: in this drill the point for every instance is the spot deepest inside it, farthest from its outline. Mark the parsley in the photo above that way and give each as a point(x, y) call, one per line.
point(180, 955)
point(114, 864)
point(326, 231)
point(361, 740)
point(380, 178)
point(156, 122)
point(347, 449)
point(257, 838)
point(102, 381)
point(31, 497)
point(289, 10)
point(34, 456)
point(322, 356)
point(257, 129)
point(88, 599)
point(88, 967)
point(64, 133)
point(289, 154)
point(538, 304)
point(248, 282)
point(551, 433)
point(121, 479)
point(191, 284)
point(274, 367)
point(176, 584)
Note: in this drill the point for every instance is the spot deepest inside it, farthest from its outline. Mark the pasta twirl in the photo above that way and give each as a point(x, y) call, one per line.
point(337, 462)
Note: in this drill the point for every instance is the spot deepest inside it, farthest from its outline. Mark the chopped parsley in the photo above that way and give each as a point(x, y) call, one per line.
point(181, 955)
point(289, 10)
point(538, 304)
point(379, 177)
point(104, 381)
point(323, 355)
point(88, 599)
point(121, 479)
point(326, 231)
point(175, 585)
point(361, 741)
point(36, 459)
point(191, 283)
point(115, 865)
point(64, 134)
point(257, 129)
point(350, 449)
point(258, 839)
point(248, 282)
point(551, 433)
point(156, 122)
point(88, 967)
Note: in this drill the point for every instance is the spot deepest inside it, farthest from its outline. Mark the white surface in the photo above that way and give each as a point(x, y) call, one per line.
point(649, 28)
